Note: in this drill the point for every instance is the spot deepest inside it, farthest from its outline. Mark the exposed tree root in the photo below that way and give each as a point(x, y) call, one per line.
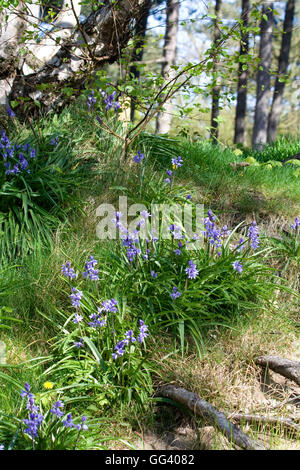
point(287, 368)
point(286, 423)
point(211, 414)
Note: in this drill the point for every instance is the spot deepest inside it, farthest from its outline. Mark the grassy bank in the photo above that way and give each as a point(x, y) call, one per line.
point(201, 329)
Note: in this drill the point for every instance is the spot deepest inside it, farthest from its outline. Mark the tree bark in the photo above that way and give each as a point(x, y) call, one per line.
point(259, 138)
point(286, 423)
point(215, 110)
point(241, 105)
point(283, 63)
point(137, 56)
point(207, 411)
point(163, 122)
point(61, 63)
point(287, 368)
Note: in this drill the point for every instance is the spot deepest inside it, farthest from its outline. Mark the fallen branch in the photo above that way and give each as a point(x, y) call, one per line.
point(211, 414)
point(286, 423)
point(287, 368)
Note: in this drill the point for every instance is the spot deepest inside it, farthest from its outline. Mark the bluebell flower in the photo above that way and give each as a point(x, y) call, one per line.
point(35, 418)
point(10, 112)
point(77, 318)
point(211, 233)
point(192, 271)
point(119, 348)
point(177, 162)
point(145, 214)
point(225, 232)
point(91, 100)
point(143, 332)
point(90, 271)
point(96, 319)
point(110, 305)
point(139, 157)
point(237, 266)
point(129, 338)
point(253, 235)
point(67, 271)
point(33, 422)
point(240, 245)
point(153, 274)
point(56, 411)
point(175, 294)
point(117, 221)
point(68, 422)
point(76, 297)
point(296, 224)
point(26, 392)
point(82, 426)
point(15, 161)
point(176, 232)
point(1, 447)
point(54, 141)
point(109, 100)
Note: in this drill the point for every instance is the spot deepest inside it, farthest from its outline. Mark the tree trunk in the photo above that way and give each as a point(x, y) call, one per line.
point(215, 110)
point(282, 70)
point(259, 138)
point(137, 56)
point(241, 105)
point(65, 57)
point(163, 122)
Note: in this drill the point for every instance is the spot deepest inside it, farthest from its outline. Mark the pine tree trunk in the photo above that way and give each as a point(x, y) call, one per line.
point(137, 56)
point(215, 110)
point(163, 122)
point(283, 62)
point(259, 138)
point(241, 105)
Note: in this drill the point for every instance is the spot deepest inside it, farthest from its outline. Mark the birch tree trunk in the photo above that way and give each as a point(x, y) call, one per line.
point(163, 122)
point(283, 63)
point(65, 57)
point(241, 105)
point(259, 137)
point(215, 110)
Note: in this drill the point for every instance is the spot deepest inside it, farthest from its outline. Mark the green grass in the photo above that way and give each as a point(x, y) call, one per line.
point(250, 190)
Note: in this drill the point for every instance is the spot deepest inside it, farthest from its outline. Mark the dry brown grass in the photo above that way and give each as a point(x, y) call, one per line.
point(228, 377)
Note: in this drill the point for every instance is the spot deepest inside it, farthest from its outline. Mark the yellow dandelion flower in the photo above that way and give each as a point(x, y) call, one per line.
point(48, 385)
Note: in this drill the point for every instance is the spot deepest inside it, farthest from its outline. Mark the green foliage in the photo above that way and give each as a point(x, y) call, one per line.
point(83, 353)
point(35, 200)
point(283, 148)
point(288, 246)
point(52, 434)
